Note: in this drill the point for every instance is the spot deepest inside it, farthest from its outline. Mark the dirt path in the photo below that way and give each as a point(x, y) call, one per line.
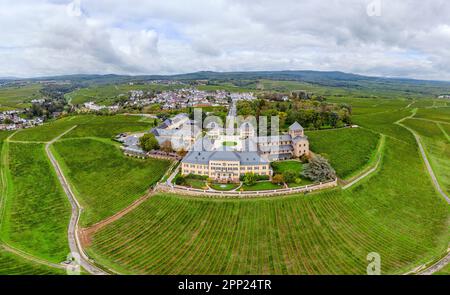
point(86, 233)
point(74, 242)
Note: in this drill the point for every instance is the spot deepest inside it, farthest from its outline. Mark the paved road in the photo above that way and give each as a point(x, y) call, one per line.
point(74, 242)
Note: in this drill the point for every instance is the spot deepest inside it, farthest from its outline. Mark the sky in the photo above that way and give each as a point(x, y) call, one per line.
point(392, 38)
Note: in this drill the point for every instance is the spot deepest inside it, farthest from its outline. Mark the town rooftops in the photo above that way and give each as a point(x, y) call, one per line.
point(295, 126)
point(204, 157)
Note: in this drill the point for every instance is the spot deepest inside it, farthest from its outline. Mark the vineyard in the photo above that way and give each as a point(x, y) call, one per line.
point(104, 180)
point(396, 213)
point(348, 150)
point(36, 209)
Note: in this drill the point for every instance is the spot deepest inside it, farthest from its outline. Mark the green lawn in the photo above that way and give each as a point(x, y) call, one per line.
point(229, 143)
point(348, 150)
point(37, 211)
point(262, 186)
point(283, 166)
point(104, 180)
point(196, 183)
point(295, 166)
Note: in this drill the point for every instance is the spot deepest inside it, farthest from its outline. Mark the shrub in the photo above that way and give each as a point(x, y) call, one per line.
point(180, 180)
point(250, 179)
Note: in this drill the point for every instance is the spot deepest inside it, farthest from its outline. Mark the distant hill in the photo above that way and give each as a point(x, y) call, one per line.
point(320, 78)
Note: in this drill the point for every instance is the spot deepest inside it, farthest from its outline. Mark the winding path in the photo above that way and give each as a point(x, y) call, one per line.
point(74, 241)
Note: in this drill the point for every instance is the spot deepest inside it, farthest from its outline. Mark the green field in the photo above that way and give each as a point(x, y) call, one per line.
point(348, 150)
point(36, 209)
point(103, 179)
point(15, 97)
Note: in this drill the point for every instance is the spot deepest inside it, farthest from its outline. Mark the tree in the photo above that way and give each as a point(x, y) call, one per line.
point(148, 142)
point(250, 179)
point(166, 146)
point(318, 169)
point(289, 176)
point(278, 179)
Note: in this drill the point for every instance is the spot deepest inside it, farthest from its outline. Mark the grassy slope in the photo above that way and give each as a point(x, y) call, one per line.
point(348, 150)
point(437, 147)
point(104, 180)
point(37, 211)
point(395, 212)
point(11, 264)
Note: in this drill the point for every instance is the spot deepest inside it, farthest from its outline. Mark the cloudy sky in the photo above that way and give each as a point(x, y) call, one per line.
point(401, 38)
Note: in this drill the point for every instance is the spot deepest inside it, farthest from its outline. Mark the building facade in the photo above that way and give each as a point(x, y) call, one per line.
point(229, 165)
point(224, 166)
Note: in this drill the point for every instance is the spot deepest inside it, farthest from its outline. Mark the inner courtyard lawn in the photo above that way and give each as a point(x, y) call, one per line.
point(37, 211)
point(103, 179)
point(348, 150)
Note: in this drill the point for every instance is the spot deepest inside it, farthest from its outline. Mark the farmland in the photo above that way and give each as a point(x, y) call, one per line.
point(18, 96)
point(347, 149)
point(104, 180)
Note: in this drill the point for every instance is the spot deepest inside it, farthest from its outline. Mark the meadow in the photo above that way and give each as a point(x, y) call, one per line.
point(348, 150)
point(103, 179)
point(36, 209)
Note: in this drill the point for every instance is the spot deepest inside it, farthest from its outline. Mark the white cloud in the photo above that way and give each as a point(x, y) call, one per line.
point(410, 37)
